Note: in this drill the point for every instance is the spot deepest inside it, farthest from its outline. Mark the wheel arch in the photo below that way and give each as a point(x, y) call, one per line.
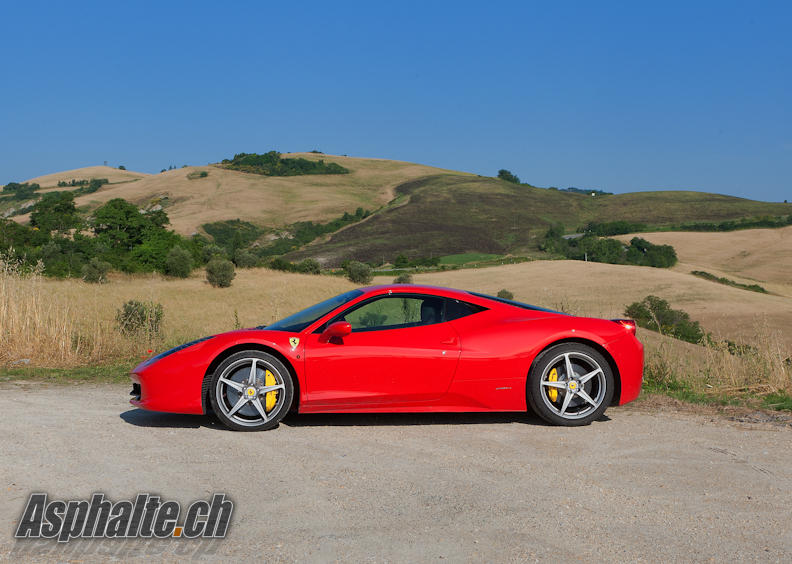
point(597, 347)
point(207, 378)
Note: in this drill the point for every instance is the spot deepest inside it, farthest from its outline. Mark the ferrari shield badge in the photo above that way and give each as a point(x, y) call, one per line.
point(294, 341)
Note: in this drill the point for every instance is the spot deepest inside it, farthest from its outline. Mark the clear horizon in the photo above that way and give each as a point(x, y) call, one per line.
point(615, 97)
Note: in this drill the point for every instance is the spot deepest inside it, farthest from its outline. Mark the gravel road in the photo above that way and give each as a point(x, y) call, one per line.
point(645, 484)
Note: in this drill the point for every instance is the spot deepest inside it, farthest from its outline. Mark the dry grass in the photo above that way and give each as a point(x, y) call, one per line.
point(57, 323)
point(763, 255)
point(47, 328)
point(267, 201)
point(711, 369)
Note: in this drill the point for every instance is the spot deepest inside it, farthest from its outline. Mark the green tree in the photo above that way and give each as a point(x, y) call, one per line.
point(402, 261)
point(210, 252)
point(152, 253)
point(122, 167)
point(55, 212)
point(220, 272)
point(120, 224)
point(245, 259)
point(236, 243)
point(178, 262)
point(504, 174)
point(359, 273)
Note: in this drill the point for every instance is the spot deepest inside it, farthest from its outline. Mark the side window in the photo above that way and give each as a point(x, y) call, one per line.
point(456, 309)
point(395, 312)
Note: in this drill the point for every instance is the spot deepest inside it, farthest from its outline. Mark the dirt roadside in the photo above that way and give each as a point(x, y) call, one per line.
point(649, 483)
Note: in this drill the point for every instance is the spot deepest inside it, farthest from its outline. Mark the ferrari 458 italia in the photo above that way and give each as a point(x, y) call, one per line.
point(401, 348)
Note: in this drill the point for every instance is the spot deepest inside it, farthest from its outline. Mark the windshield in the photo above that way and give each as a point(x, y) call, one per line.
point(302, 319)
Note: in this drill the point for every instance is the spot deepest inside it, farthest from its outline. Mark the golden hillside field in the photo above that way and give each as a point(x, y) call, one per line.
point(748, 257)
point(267, 201)
point(112, 174)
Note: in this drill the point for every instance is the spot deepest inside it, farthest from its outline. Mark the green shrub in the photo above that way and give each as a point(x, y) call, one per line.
point(359, 273)
point(95, 271)
point(402, 261)
point(22, 191)
point(283, 265)
point(245, 259)
point(303, 232)
point(233, 233)
point(309, 266)
point(211, 252)
point(136, 317)
point(178, 262)
point(727, 282)
point(122, 167)
point(504, 174)
point(656, 315)
point(506, 295)
point(220, 272)
point(403, 278)
point(425, 261)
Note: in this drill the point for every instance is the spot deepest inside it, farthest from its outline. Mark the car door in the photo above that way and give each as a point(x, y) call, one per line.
point(399, 351)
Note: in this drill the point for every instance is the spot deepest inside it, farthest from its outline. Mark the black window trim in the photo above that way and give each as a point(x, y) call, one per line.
point(362, 303)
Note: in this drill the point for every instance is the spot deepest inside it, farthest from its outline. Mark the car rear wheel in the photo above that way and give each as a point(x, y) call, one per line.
point(251, 391)
point(570, 384)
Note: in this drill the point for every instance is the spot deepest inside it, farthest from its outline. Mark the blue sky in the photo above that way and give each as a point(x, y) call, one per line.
point(614, 96)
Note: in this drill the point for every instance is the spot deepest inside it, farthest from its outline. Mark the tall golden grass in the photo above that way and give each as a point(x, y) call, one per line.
point(43, 327)
point(65, 323)
point(762, 367)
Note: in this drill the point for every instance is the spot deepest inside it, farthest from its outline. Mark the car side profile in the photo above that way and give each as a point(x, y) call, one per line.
point(401, 348)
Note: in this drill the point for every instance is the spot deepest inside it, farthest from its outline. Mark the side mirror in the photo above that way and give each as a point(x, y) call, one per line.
point(339, 329)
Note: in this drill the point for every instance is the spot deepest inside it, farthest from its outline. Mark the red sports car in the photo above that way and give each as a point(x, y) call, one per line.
point(401, 348)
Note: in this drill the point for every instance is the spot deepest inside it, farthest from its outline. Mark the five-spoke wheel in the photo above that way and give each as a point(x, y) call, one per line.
point(570, 384)
point(251, 391)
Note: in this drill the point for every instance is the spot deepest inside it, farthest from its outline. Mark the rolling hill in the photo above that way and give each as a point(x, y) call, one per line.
point(419, 210)
point(270, 202)
point(448, 214)
point(750, 256)
point(112, 174)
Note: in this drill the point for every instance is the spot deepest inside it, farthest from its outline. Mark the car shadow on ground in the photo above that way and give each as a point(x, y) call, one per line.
point(406, 419)
point(143, 418)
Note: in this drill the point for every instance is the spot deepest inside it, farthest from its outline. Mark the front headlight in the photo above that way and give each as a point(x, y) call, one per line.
point(177, 349)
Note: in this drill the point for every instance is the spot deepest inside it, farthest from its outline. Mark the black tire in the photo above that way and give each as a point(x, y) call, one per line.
point(570, 402)
point(243, 405)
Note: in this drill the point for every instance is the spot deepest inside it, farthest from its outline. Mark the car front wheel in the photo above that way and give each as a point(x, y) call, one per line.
point(251, 391)
point(570, 384)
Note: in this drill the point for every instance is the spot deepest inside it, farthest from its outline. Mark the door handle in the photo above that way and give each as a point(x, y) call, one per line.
point(451, 341)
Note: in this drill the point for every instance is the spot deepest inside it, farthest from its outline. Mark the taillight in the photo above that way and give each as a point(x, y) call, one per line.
point(628, 324)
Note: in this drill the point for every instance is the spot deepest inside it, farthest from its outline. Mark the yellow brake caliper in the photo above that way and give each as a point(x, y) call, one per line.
point(552, 392)
point(271, 397)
